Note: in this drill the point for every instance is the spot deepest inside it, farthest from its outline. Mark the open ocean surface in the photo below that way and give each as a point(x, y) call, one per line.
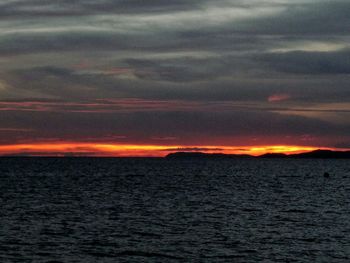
point(159, 210)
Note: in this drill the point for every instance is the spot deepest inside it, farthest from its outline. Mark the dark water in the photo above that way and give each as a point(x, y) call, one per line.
point(155, 210)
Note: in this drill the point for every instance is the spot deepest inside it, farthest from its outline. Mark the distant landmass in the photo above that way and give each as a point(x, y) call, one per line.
point(318, 154)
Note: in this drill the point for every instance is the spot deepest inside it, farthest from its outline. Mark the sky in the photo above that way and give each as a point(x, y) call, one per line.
point(145, 78)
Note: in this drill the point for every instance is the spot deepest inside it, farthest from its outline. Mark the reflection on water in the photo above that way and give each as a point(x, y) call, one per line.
point(157, 210)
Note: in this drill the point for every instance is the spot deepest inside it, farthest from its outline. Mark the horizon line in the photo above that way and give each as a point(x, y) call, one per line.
point(174, 153)
point(90, 149)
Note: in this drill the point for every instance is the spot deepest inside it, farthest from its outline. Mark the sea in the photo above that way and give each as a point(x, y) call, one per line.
point(169, 210)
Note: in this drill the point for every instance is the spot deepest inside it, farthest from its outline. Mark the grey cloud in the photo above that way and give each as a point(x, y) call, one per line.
point(345, 145)
point(40, 42)
point(299, 21)
point(152, 40)
point(337, 62)
point(65, 8)
point(200, 82)
point(89, 7)
point(310, 18)
point(195, 127)
point(180, 70)
point(58, 83)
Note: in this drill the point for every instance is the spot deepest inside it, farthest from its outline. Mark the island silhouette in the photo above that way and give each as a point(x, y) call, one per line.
point(317, 154)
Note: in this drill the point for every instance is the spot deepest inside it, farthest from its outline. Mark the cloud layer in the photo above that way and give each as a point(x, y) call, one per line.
point(200, 72)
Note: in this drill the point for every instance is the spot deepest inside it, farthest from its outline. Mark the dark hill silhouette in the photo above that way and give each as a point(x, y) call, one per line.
point(323, 154)
point(318, 154)
point(196, 155)
point(273, 155)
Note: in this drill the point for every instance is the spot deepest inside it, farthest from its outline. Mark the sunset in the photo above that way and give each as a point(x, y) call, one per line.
point(174, 131)
point(228, 73)
point(67, 149)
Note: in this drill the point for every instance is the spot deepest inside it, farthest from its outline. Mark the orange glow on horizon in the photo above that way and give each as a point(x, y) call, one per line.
point(129, 150)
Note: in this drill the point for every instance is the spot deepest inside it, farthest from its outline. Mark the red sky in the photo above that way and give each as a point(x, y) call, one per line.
point(119, 150)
